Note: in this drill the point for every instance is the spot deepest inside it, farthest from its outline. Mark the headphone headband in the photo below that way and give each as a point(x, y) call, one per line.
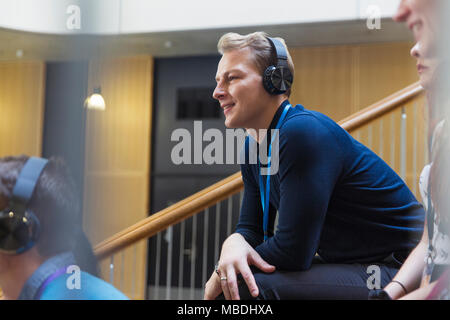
point(27, 180)
point(280, 51)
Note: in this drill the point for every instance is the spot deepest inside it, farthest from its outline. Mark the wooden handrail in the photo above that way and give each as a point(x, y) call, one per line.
point(171, 215)
point(381, 107)
point(233, 184)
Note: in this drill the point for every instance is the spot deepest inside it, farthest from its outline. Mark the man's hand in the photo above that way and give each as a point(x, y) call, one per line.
point(212, 287)
point(236, 258)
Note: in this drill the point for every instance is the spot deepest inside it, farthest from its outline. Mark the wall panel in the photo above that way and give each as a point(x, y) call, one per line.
point(340, 80)
point(21, 107)
point(323, 79)
point(383, 69)
point(117, 160)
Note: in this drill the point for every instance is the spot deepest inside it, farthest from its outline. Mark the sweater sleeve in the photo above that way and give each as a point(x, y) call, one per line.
point(310, 163)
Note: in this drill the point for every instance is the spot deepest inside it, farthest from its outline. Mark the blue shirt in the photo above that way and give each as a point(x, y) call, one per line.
point(334, 197)
point(91, 288)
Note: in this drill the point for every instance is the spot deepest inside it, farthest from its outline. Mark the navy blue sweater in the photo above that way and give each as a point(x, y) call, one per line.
point(334, 197)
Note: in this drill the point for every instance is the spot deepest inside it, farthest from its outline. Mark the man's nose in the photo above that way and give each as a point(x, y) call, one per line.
point(218, 93)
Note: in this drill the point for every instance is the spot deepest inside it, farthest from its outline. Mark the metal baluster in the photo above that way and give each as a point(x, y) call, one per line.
point(241, 197)
point(193, 255)
point(111, 270)
point(229, 214)
point(157, 264)
point(205, 244)
point(122, 269)
point(181, 263)
point(403, 145)
point(217, 234)
point(133, 272)
point(393, 142)
point(169, 239)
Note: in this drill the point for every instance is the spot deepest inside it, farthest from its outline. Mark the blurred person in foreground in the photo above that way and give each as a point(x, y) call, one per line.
point(44, 253)
point(424, 274)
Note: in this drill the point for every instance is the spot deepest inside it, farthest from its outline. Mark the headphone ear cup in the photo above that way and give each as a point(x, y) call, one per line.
point(18, 232)
point(277, 80)
point(282, 79)
point(267, 79)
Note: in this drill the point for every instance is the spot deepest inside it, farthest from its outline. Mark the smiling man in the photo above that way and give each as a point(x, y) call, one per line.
point(340, 207)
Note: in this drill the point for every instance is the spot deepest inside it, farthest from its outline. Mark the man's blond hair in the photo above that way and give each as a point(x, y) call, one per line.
point(264, 55)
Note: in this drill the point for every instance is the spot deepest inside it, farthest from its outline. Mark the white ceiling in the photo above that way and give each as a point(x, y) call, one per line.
point(114, 17)
point(185, 43)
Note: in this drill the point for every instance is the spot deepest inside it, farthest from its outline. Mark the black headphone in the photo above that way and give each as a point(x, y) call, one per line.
point(278, 79)
point(19, 227)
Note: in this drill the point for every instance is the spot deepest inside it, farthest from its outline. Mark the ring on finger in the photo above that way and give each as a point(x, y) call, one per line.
point(223, 278)
point(216, 269)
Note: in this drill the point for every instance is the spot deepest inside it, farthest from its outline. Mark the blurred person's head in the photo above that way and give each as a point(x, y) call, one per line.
point(55, 204)
point(240, 90)
point(421, 17)
point(424, 19)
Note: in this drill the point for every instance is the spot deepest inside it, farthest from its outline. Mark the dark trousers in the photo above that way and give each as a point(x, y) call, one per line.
point(321, 281)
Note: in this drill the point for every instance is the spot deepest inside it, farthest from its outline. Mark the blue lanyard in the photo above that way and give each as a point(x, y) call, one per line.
point(47, 281)
point(265, 197)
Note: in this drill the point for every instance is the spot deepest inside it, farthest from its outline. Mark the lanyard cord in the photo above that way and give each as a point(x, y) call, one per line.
point(48, 280)
point(265, 192)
